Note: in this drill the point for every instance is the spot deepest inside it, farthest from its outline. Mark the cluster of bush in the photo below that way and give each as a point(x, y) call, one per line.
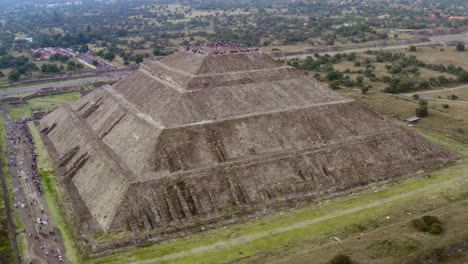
point(317, 61)
point(111, 52)
point(20, 65)
point(72, 66)
point(428, 223)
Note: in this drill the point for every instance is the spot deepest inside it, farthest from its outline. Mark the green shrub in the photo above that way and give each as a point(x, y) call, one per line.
point(341, 259)
point(429, 219)
point(420, 225)
point(436, 229)
point(428, 223)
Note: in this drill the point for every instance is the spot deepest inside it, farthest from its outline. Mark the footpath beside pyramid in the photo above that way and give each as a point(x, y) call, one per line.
point(217, 131)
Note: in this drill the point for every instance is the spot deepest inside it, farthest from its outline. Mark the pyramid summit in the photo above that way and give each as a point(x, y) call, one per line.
point(199, 137)
point(220, 47)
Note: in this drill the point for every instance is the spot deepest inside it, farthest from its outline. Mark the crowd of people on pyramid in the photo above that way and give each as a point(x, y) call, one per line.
point(220, 47)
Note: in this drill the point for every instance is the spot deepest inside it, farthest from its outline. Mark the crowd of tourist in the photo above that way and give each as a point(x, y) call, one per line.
point(19, 134)
point(36, 177)
point(220, 47)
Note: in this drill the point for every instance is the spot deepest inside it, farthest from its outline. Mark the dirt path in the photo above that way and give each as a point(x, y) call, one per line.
point(438, 90)
point(249, 238)
point(429, 98)
point(44, 242)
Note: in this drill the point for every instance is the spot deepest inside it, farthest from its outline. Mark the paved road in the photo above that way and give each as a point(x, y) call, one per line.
point(249, 238)
point(44, 247)
point(36, 87)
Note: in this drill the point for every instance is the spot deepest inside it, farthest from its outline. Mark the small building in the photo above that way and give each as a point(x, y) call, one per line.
point(412, 120)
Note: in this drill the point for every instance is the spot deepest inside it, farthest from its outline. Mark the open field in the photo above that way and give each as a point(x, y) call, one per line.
point(435, 56)
point(42, 102)
point(316, 223)
point(453, 119)
point(460, 91)
point(18, 113)
point(395, 243)
point(53, 101)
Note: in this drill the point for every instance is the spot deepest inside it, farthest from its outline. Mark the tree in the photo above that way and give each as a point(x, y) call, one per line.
point(50, 68)
point(157, 51)
point(84, 48)
point(335, 84)
point(436, 229)
point(412, 48)
point(462, 77)
point(359, 80)
point(109, 56)
point(71, 66)
point(428, 223)
point(334, 75)
point(422, 111)
point(14, 76)
point(36, 55)
point(364, 89)
point(460, 46)
point(138, 58)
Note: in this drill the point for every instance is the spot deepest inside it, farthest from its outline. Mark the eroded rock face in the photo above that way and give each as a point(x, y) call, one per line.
point(188, 138)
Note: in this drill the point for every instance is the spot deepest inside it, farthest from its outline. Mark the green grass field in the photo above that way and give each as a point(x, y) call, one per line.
point(52, 101)
point(44, 103)
point(18, 113)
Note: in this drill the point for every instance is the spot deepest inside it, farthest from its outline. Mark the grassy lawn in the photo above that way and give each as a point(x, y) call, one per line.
point(6, 252)
point(396, 243)
point(433, 184)
point(18, 113)
point(42, 102)
point(60, 98)
point(54, 198)
point(453, 120)
point(52, 101)
point(21, 237)
point(461, 92)
point(446, 57)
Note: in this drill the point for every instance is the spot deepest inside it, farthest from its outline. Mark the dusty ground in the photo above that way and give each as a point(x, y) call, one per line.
point(41, 248)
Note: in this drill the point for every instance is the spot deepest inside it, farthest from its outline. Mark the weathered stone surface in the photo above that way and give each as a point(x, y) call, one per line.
point(188, 138)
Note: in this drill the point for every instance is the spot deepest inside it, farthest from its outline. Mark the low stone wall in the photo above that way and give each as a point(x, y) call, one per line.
point(21, 100)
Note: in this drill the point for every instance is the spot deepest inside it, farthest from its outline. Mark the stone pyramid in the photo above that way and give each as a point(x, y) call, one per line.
point(204, 134)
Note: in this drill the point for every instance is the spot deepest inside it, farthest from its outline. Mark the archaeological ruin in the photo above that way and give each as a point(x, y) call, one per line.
point(216, 133)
